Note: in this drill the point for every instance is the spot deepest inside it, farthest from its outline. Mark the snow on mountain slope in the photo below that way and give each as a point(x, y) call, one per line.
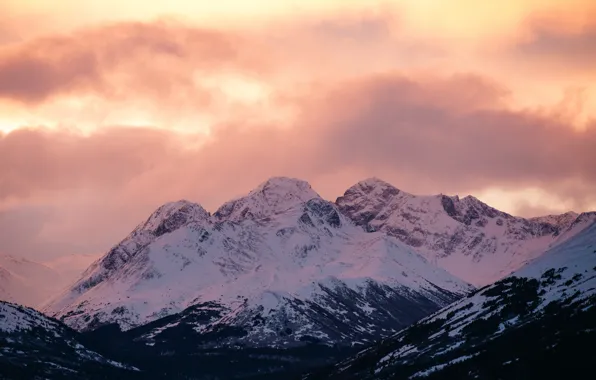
point(539, 322)
point(380, 289)
point(468, 238)
point(35, 346)
point(272, 197)
point(27, 282)
point(281, 255)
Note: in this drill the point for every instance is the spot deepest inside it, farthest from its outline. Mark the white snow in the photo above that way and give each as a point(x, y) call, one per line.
point(280, 242)
point(286, 249)
point(574, 260)
point(480, 254)
point(14, 318)
point(17, 319)
point(439, 367)
point(272, 197)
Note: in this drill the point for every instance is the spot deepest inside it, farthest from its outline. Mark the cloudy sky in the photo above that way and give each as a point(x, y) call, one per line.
point(109, 108)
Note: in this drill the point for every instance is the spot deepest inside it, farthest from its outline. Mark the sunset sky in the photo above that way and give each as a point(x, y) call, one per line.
point(109, 108)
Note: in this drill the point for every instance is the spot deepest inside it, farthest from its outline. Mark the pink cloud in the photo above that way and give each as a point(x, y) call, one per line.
point(120, 60)
point(429, 135)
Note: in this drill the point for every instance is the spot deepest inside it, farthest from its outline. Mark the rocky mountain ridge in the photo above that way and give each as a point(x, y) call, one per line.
point(303, 267)
point(281, 280)
point(281, 264)
point(465, 236)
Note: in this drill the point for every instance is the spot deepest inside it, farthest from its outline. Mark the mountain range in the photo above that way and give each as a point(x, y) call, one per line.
point(280, 264)
point(281, 280)
point(283, 242)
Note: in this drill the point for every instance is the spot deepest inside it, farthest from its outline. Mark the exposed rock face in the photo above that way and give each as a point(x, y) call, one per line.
point(470, 239)
point(274, 196)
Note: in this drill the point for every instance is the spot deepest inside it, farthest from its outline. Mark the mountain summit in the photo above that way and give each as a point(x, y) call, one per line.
point(273, 196)
point(465, 236)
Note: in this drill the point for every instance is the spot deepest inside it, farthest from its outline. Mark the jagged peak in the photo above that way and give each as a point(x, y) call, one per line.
point(180, 205)
point(366, 199)
point(471, 200)
point(371, 189)
point(571, 213)
point(591, 214)
point(485, 208)
point(285, 185)
point(588, 216)
point(273, 196)
point(370, 184)
point(172, 215)
point(555, 217)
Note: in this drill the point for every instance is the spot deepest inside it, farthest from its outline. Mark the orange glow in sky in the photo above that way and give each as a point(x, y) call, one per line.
point(134, 103)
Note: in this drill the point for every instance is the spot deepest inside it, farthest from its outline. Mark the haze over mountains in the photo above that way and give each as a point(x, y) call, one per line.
point(27, 282)
point(33, 284)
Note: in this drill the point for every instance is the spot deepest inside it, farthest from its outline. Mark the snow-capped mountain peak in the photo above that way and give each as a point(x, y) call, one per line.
point(284, 185)
point(469, 238)
point(365, 200)
point(372, 187)
point(166, 219)
point(566, 218)
point(172, 216)
point(371, 183)
point(273, 196)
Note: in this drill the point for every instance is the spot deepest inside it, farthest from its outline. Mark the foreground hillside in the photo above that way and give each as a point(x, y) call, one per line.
point(538, 323)
point(33, 346)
